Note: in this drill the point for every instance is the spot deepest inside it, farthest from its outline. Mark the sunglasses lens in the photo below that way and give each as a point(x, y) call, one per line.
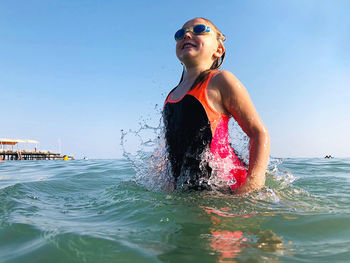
point(179, 34)
point(199, 29)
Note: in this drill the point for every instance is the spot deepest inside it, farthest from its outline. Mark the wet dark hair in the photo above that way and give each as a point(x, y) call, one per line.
point(216, 64)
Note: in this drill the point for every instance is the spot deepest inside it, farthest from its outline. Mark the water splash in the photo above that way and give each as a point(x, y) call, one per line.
point(239, 141)
point(276, 177)
point(145, 149)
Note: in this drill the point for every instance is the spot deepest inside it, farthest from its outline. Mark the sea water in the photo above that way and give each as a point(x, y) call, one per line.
point(126, 210)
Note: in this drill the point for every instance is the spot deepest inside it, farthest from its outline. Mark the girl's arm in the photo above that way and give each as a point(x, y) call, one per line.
point(235, 99)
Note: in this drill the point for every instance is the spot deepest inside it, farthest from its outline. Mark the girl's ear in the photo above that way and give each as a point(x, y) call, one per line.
point(219, 51)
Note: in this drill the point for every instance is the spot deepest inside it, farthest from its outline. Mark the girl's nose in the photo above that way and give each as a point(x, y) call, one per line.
point(188, 35)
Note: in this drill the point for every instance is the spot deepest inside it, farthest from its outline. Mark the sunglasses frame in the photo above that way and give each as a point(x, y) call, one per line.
point(190, 29)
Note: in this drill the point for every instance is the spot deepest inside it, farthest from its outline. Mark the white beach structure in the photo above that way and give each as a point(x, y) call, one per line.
point(22, 154)
point(12, 142)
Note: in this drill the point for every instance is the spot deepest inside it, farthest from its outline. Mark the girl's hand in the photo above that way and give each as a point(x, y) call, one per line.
point(252, 183)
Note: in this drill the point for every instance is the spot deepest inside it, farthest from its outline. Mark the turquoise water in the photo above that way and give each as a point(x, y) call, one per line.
point(96, 211)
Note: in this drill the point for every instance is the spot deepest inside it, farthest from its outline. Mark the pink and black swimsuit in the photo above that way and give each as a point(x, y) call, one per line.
point(193, 128)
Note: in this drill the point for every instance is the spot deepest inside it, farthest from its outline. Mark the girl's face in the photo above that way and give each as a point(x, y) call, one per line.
point(198, 49)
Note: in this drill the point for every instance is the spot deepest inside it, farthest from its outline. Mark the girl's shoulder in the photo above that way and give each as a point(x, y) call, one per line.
point(224, 80)
point(224, 75)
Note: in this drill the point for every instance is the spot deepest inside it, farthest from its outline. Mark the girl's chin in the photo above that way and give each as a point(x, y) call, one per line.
point(188, 51)
point(186, 54)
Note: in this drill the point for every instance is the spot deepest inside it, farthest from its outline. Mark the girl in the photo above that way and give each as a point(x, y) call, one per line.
point(196, 115)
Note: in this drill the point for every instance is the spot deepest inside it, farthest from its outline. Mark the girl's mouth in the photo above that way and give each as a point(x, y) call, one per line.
point(188, 45)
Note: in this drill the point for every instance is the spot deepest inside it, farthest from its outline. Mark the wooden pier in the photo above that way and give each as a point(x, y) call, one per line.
point(17, 154)
point(29, 155)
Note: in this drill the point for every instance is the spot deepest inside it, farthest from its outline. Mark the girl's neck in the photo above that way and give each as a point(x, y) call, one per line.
point(191, 73)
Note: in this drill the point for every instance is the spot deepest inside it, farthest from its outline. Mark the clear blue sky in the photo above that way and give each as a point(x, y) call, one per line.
point(83, 70)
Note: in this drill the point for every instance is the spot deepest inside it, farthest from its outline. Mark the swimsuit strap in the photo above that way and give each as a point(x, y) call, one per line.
point(204, 83)
point(200, 92)
point(168, 97)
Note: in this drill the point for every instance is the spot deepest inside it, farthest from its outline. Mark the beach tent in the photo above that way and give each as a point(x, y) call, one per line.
point(15, 141)
point(12, 142)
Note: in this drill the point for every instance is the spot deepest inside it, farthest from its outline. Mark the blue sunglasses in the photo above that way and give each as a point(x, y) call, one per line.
point(197, 30)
